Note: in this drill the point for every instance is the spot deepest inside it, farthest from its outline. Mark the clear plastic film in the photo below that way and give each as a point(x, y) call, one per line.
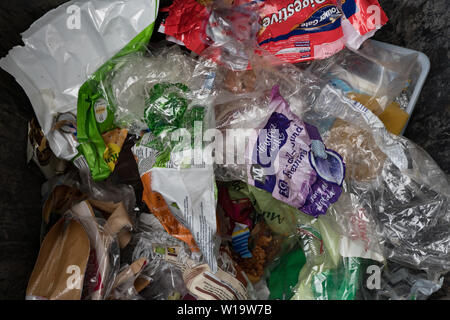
point(170, 106)
point(136, 77)
point(62, 192)
point(167, 284)
point(247, 145)
point(393, 206)
point(398, 282)
point(396, 186)
point(174, 272)
point(151, 243)
point(108, 226)
point(79, 258)
point(129, 281)
point(336, 256)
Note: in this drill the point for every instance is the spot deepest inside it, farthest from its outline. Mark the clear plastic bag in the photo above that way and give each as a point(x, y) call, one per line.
point(133, 88)
point(151, 243)
point(77, 186)
point(106, 213)
point(126, 284)
point(406, 199)
point(79, 258)
point(168, 104)
point(104, 260)
point(394, 204)
point(167, 284)
point(398, 282)
point(174, 272)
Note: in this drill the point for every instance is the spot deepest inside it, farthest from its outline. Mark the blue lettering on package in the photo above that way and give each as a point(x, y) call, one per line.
point(269, 143)
point(267, 147)
point(326, 18)
point(284, 188)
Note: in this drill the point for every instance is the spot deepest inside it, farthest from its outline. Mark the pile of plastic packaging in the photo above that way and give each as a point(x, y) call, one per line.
point(257, 157)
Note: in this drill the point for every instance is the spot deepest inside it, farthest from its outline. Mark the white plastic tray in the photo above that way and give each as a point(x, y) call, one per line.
point(418, 75)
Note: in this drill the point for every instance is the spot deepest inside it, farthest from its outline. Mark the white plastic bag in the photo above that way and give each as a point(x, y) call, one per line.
point(64, 47)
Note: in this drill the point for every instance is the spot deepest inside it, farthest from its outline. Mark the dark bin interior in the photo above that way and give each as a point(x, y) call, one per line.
point(420, 25)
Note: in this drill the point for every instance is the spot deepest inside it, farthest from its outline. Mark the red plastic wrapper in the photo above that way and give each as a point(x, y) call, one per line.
point(186, 23)
point(294, 31)
point(362, 18)
point(364, 15)
point(298, 30)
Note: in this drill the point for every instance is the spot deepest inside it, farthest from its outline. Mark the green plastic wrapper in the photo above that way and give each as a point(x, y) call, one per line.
point(338, 284)
point(95, 109)
point(285, 276)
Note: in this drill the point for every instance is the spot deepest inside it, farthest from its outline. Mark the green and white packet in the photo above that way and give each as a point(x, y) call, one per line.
point(96, 106)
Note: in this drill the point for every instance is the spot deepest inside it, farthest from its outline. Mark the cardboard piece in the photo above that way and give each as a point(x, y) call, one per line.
point(118, 220)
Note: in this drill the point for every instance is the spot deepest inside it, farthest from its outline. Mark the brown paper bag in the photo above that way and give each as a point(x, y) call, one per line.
point(59, 270)
point(66, 248)
point(101, 238)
